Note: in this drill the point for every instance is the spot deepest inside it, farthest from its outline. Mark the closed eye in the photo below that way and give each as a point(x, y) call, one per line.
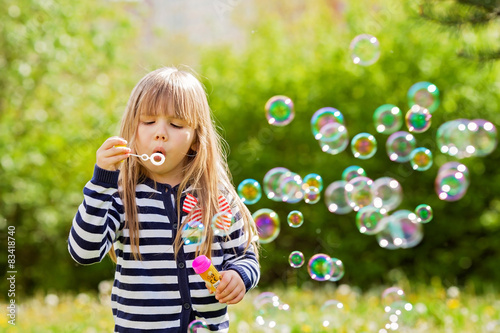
point(176, 126)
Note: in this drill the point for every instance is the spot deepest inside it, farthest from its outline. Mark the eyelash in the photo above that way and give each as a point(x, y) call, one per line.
point(152, 122)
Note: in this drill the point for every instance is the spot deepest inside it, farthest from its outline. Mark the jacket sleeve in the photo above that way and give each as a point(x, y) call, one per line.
point(235, 256)
point(97, 220)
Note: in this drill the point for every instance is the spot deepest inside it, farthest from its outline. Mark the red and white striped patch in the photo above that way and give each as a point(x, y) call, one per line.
point(223, 222)
point(189, 203)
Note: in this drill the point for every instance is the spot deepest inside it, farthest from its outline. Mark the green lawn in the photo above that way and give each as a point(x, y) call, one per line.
point(434, 309)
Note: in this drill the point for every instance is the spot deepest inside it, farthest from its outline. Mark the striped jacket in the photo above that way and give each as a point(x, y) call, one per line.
point(159, 293)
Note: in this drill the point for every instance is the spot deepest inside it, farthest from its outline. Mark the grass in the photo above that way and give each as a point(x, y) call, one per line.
point(434, 309)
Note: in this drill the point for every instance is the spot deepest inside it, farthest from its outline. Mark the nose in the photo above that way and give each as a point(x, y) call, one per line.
point(161, 131)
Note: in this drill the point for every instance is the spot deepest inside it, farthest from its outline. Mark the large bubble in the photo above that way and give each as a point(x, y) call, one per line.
point(399, 146)
point(323, 117)
point(279, 110)
point(313, 179)
point(418, 119)
point(291, 189)
point(387, 193)
point(320, 267)
point(363, 145)
point(249, 191)
point(352, 172)
point(402, 231)
point(451, 185)
point(268, 225)
point(365, 50)
point(421, 159)
point(424, 94)
point(332, 315)
point(369, 220)
point(333, 138)
point(222, 223)
point(335, 198)
point(272, 184)
point(358, 192)
point(387, 118)
point(193, 233)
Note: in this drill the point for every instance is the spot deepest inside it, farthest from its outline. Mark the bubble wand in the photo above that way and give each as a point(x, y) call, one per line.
point(152, 158)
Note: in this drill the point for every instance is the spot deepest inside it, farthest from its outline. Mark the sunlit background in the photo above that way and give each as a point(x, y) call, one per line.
point(361, 134)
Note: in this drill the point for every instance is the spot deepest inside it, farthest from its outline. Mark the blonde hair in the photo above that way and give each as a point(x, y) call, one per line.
point(204, 173)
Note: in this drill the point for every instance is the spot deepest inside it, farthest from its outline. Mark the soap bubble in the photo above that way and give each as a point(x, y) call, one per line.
point(279, 110)
point(484, 137)
point(320, 267)
point(295, 219)
point(312, 195)
point(352, 172)
point(455, 138)
point(387, 193)
point(399, 146)
point(268, 225)
point(424, 213)
point(335, 198)
point(418, 119)
point(193, 233)
point(402, 231)
point(387, 119)
point(363, 146)
point(315, 180)
point(221, 223)
point(271, 183)
point(323, 117)
point(337, 272)
point(197, 326)
point(358, 192)
point(249, 191)
point(333, 138)
point(368, 220)
point(271, 312)
point(394, 301)
point(296, 259)
point(451, 185)
point(421, 159)
point(424, 94)
point(332, 314)
point(365, 50)
point(290, 187)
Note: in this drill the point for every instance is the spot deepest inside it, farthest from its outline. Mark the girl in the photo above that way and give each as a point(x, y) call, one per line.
point(136, 210)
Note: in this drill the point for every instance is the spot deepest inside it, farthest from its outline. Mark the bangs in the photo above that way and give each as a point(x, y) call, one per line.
point(173, 94)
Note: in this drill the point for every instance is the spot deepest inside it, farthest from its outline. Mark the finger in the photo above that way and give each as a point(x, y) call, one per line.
point(238, 298)
point(114, 141)
point(231, 297)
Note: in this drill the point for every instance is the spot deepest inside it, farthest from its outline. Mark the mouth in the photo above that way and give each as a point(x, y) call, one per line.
point(158, 156)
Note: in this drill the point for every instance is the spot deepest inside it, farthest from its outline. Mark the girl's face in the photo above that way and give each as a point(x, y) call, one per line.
point(167, 135)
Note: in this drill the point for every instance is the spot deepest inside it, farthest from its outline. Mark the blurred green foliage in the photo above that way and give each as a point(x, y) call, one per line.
point(63, 65)
point(67, 71)
point(302, 51)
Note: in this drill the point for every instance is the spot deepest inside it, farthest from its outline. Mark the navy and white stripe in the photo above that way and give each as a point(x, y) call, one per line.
point(157, 293)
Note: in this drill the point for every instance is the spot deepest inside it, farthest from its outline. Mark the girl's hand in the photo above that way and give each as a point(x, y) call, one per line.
point(231, 288)
point(111, 153)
